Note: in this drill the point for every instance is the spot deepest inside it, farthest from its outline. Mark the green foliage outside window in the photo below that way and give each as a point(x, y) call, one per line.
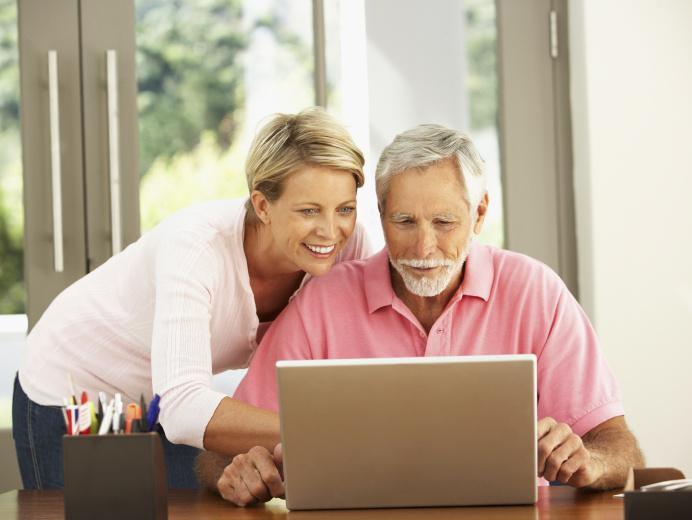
point(482, 76)
point(11, 211)
point(190, 74)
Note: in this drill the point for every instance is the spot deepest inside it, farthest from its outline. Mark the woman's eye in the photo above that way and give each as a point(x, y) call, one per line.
point(309, 212)
point(347, 210)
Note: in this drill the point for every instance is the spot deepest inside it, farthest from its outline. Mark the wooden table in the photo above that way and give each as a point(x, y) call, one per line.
point(553, 502)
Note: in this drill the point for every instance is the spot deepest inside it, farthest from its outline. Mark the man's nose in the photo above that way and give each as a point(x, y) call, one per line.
point(426, 241)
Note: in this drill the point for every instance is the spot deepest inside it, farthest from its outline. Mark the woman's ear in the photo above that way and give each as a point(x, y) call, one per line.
point(261, 206)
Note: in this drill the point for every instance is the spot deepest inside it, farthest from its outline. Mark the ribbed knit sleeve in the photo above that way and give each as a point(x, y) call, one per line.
point(187, 270)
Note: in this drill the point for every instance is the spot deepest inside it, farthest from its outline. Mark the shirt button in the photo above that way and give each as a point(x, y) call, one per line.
point(440, 331)
point(422, 334)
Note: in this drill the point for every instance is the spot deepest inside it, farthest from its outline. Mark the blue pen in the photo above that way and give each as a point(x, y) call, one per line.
point(153, 412)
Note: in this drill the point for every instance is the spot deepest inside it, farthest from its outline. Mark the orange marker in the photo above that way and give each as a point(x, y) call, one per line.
point(133, 412)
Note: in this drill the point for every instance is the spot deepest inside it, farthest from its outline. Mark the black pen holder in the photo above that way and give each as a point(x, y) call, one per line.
point(115, 476)
point(657, 505)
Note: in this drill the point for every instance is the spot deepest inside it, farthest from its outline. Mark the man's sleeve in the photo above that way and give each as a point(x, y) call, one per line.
point(575, 383)
point(285, 339)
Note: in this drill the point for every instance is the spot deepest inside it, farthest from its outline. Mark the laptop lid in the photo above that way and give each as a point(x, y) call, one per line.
point(408, 432)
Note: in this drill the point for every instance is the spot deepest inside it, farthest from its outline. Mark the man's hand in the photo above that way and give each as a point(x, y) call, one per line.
point(562, 456)
point(253, 477)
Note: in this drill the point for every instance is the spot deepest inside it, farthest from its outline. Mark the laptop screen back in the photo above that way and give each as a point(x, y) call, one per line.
point(408, 432)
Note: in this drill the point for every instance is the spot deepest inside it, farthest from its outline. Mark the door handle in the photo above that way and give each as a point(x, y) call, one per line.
point(56, 174)
point(114, 149)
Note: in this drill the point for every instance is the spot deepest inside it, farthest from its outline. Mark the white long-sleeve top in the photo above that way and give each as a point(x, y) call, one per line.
point(160, 317)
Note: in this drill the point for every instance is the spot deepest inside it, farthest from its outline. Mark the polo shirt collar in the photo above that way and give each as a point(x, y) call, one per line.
point(478, 273)
point(478, 277)
point(378, 283)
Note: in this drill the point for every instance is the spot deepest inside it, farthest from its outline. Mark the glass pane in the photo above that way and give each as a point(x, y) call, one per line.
point(208, 73)
point(12, 294)
point(346, 57)
point(11, 212)
point(481, 66)
point(347, 47)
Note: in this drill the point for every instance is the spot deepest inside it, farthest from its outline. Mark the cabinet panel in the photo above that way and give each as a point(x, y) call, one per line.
point(45, 26)
point(536, 143)
point(108, 25)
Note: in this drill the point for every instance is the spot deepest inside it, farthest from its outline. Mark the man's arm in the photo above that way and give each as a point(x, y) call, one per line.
point(209, 466)
point(599, 460)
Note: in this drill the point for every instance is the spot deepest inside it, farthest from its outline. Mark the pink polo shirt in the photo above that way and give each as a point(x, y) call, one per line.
point(507, 303)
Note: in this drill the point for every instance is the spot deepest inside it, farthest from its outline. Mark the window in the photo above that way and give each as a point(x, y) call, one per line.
point(208, 74)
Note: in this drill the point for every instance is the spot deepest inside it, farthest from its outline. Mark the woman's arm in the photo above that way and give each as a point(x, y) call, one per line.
point(251, 427)
point(236, 427)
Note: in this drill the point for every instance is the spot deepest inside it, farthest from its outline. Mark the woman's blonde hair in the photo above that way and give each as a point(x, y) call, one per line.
point(288, 141)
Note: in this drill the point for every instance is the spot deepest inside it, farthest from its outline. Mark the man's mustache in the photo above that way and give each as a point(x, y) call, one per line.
point(426, 263)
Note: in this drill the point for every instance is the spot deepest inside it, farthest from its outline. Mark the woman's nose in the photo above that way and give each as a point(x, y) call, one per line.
point(326, 227)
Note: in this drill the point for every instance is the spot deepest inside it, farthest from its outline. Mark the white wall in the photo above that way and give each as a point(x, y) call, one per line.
point(632, 123)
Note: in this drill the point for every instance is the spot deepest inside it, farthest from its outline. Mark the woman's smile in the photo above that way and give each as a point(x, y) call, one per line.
point(320, 251)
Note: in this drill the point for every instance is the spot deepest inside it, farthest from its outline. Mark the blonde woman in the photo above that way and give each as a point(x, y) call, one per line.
point(192, 298)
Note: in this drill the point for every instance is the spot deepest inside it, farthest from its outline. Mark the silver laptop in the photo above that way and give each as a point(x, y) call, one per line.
point(408, 432)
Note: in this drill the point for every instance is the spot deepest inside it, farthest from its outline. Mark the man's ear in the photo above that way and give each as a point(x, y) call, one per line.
point(261, 206)
point(480, 214)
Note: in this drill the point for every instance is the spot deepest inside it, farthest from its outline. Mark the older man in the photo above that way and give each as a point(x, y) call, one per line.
point(434, 291)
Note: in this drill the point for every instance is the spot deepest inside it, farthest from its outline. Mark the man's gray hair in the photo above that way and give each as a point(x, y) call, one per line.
point(424, 146)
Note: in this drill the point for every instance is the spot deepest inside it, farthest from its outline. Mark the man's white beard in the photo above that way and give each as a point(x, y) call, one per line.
point(426, 285)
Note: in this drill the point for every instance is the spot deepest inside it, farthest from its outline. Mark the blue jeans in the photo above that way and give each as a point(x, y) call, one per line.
point(37, 431)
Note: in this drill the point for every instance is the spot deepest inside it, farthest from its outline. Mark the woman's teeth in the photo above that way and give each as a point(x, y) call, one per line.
point(322, 250)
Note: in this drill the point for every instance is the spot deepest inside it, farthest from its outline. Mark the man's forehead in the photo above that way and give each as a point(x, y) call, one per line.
point(439, 200)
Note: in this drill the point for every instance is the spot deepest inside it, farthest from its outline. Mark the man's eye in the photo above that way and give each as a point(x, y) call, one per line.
point(310, 212)
point(444, 223)
point(348, 210)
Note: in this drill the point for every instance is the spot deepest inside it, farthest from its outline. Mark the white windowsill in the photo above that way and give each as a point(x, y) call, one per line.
point(13, 324)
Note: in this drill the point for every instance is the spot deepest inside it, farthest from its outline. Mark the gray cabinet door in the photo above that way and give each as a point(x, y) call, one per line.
point(44, 27)
point(94, 202)
point(112, 204)
point(535, 133)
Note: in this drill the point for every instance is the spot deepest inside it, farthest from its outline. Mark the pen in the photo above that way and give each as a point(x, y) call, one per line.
point(153, 413)
point(94, 420)
point(73, 415)
point(117, 412)
point(73, 395)
point(84, 426)
point(144, 425)
point(133, 414)
point(102, 406)
point(107, 418)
